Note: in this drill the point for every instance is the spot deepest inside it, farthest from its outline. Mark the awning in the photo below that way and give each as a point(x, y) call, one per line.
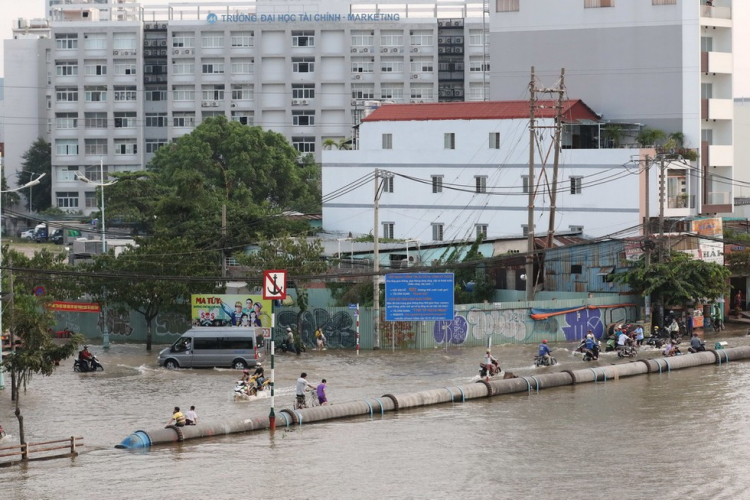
point(604, 271)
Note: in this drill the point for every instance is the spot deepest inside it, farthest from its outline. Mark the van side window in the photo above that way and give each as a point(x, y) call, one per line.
point(237, 343)
point(206, 343)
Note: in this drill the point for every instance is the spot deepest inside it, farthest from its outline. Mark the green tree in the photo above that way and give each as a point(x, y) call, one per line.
point(678, 280)
point(39, 354)
point(159, 259)
point(37, 160)
point(738, 262)
point(39, 271)
point(301, 258)
point(472, 283)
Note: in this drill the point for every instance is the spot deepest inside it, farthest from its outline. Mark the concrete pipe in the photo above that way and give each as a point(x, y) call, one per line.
point(424, 398)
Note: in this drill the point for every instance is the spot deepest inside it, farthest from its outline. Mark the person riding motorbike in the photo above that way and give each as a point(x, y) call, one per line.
point(259, 377)
point(85, 359)
point(544, 351)
point(696, 345)
point(593, 346)
point(490, 366)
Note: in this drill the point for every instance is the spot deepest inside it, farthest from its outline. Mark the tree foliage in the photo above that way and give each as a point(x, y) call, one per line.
point(738, 262)
point(678, 280)
point(37, 160)
point(472, 284)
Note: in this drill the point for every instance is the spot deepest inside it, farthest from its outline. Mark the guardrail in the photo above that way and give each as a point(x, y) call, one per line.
point(23, 451)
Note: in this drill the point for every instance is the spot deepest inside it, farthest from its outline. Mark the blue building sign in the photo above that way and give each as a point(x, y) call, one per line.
point(302, 17)
point(419, 297)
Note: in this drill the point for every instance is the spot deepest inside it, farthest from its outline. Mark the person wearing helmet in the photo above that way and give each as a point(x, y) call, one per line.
point(289, 342)
point(84, 359)
point(259, 376)
point(544, 351)
point(235, 317)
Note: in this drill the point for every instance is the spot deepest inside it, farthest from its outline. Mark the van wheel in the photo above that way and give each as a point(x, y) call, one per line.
point(239, 364)
point(171, 364)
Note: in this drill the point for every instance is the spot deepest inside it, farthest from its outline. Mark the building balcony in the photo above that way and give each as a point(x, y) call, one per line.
point(716, 16)
point(716, 156)
point(717, 109)
point(717, 202)
point(716, 62)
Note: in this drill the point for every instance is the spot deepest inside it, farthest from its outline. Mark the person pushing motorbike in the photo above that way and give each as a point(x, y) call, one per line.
point(544, 351)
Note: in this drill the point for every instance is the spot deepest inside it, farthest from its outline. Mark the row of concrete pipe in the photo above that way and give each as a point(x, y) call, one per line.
point(391, 402)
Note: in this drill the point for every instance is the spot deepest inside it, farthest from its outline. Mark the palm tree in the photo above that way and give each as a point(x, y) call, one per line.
point(329, 144)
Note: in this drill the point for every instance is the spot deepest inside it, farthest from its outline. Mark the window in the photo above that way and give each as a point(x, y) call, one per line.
point(481, 183)
point(95, 41)
point(437, 232)
point(66, 41)
point(211, 114)
point(66, 200)
point(391, 64)
point(212, 67)
point(66, 120)
point(94, 172)
point(243, 117)
point(153, 144)
point(126, 147)
point(303, 118)
point(476, 37)
point(125, 68)
point(478, 91)
point(242, 39)
point(422, 91)
point(707, 91)
point(242, 92)
point(707, 136)
point(66, 68)
point(66, 174)
point(156, 119)
point(576, 229)
point(507, 5)
point(96, 147)
point(388, 230)
point(95, 94)
point(183, 67)
point(304, 144)
point(357, 115)
point(707, 44)
point(362, 38)
point(393, 91)
point(303, 64)
point(155, 68)
point(125, 93)
point(363, 91)
point(236, 343)
point(95, 120)
point(66, 94)
point(477, 64)
point(525, 181)
point(575, 185)
point(437, 183)
point(449, 140)
point(387, 141)
point(212, 92)
point(421, 65)
point(66, 147)
point(183, 93)
point(391, 39)
point(303, 91)
point(363, 64)
point(576, 269)
point(91, 199)
point(183, 119)
point(125, 41)
point(388, 184)
point(212, 41)
point(494, 140)
point(303, 38)
point(481, 230)
point(95, 68)
point(525, 229)
point(595, 4)
point(206, 343)
point(421, 37)
point(183, 39)
point(242, 66)
point(157, 94)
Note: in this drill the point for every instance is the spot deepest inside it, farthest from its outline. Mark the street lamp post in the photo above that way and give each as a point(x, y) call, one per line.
point(27, 185)
point(102, 185)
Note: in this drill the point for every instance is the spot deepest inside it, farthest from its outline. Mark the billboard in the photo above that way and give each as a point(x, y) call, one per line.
point(419, 297)
point(230, 310)
point(709, 250)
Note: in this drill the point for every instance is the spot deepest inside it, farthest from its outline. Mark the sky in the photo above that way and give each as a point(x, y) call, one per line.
point(11, 9)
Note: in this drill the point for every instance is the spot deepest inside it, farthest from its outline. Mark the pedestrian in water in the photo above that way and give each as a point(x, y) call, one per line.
point(178, 419)
point(191, 418)
point(321, 390)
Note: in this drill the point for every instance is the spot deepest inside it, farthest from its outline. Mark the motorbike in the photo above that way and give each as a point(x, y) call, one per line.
point(717, 324)
point(699, 349)
point(676, 351)
point(286, 346)
point(588, 354)
point(611, 344)
point(540, 361)
point(83, 367)
point(249, 388)
point(491, 369)
point(655, 342)
point(627, 351)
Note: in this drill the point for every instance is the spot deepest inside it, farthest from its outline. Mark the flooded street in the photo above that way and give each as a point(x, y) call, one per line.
point(669, 436)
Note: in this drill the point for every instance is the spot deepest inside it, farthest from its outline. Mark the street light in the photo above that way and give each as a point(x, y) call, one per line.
point(102, 184)
point(27, 185)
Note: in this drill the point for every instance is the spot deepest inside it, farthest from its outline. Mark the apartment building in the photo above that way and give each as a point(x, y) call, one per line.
point(118, 80)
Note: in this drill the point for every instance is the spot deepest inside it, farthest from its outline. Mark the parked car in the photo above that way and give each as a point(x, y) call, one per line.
point(27, 235)
point(57, 237)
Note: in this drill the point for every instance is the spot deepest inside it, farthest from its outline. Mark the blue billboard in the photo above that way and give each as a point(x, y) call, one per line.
point(419, 297)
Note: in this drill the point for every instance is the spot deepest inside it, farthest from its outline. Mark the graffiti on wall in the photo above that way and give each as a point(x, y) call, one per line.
point(69, 321)
point(339, 327)
point(170, 323)
point(118, 321)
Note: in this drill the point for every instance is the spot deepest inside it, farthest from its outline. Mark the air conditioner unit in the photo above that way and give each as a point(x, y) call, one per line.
point(163, 43)
point(413, 101)
point(384, 50)
point(163, 26)
point(214, 104)
point(186, 51)
point(458, 40)
point(441, 50)
point(414, 77)
point(295, 102)
point(354, 49)
point(163, 52)
point(421, 101)
point(147, 26)
point(354, 102)
point(415, 49)
point(305, 102)
point(146, 52)
point(234, 105)
point(456, 23)
point(116, 52)
point(458, 50)
point(441, 40)
point(363, 50)
point(395, 50)
point(441, 22)
point(204, 104)
point(357, 77)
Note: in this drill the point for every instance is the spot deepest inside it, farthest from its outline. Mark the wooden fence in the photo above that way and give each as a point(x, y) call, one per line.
point(23, 452)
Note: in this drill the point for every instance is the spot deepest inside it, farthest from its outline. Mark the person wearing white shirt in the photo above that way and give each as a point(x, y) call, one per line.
point(191, 418)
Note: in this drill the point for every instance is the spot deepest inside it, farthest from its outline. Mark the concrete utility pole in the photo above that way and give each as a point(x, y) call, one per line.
point(223, 240)
point(558, 140)
point(376, 267)
point(647, 231)
point(532, 192)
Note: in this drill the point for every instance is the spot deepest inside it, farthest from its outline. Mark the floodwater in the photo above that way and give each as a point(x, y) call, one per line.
point(681, 435)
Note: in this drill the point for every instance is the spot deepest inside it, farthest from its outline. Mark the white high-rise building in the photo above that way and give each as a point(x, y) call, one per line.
point(665, 63)
point(112, 81)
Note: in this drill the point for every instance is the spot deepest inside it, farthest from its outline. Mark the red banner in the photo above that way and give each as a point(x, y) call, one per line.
point(84, 307)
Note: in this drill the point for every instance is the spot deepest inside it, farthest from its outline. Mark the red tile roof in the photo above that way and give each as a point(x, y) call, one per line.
point(573, 111)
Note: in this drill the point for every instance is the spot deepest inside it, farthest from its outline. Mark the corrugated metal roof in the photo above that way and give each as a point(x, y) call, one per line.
point(574, 110)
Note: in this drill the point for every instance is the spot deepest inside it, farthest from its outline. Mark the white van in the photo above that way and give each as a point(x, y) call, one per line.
point(208, 347)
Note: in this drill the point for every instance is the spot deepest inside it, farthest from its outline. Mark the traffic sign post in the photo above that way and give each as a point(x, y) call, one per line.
point(274, 285)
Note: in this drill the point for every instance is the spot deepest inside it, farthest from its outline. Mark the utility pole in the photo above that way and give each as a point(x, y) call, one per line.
point(558, 140)
point(647, 231)
point(532, 193)
point(661, 231)
point(376, 267)
point(223, 240)
point(11, 304)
